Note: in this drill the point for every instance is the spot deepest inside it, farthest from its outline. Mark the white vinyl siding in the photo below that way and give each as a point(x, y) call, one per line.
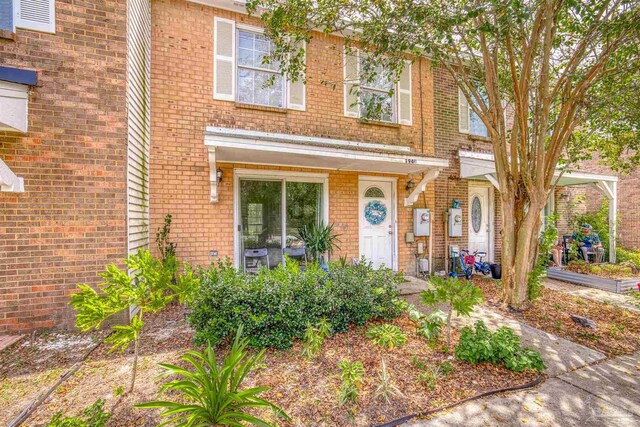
point(37, 15)
point(139, 122)
point(239, 73)
point(394, 107)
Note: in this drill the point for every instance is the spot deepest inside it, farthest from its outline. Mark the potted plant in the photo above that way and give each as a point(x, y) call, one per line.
point(319, 240)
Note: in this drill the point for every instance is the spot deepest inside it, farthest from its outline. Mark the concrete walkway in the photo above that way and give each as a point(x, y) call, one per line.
point(607, 394)
point(593, 294)
point(579, 392)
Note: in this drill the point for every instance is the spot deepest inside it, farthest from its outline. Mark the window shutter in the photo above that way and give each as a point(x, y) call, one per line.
point(38, 15)
point(351, 83)
point(224, 52)
point(296, 91)
point(404, 95)
point(463, 112)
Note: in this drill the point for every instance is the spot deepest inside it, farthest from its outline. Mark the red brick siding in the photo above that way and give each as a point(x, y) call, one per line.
point(183, 105)
point(71, 221)
point(449, 185)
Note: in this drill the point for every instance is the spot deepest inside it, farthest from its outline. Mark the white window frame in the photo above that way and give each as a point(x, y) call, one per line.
point(272, 175)
point(237, 66)
point(357, 82)
point(35, 26)
point(466, 128)
point(370, 89)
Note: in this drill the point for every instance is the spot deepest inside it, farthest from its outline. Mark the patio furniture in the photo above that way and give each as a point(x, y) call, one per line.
point(299, 254)
point(254, 256)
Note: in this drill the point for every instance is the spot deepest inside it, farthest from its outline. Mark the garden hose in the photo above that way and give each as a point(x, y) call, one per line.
point(424, 414)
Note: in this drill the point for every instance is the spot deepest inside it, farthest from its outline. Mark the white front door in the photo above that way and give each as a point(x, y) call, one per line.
point(376, 210)
point(479, 216)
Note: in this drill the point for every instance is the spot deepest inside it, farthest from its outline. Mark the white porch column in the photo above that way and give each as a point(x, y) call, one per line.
point(613, 221)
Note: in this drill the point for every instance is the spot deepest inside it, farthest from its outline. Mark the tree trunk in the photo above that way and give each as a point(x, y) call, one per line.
point(520, 233)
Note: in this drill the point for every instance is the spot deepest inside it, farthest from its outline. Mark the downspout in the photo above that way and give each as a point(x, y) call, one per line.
point(424, 195)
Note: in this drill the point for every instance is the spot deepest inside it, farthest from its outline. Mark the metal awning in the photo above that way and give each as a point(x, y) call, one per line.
point(481, 166)
point(275, 149)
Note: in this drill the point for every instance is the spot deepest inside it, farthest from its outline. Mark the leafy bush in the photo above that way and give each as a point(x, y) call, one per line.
point(93, 416)
point(352, 373)
point(147, 283)
point(548, 240)
point(502, 346)
point(628, 256)
point(314, 338)
point(460, 296)
point(276, 305)
point(211, 394)
point(389, 336)
point(166, 247)
point(430, 327)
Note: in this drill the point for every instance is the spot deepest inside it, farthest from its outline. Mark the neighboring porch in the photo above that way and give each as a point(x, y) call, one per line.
point(480, 166)
point(283, 182)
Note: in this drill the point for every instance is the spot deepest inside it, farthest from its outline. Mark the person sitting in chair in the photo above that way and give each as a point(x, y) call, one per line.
point(556, 252)
point(589, 243)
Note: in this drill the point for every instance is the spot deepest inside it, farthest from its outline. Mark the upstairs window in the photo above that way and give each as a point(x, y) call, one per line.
point(468, 121)
point(370, 93)
point(242, 74)
point(259, 83)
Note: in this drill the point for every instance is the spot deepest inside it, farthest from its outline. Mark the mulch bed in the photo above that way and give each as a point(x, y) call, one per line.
point(617, 332)
point(306, 389)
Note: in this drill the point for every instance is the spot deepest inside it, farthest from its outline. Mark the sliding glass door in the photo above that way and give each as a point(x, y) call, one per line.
point(271, 213)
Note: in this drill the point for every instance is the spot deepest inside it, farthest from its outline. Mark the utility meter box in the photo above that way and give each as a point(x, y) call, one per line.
point(455, 222)
point(421, 222)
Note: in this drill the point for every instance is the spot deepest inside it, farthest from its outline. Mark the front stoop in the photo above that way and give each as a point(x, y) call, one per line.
point(7, 341)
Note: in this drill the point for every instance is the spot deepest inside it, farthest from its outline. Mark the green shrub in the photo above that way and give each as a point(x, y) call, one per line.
point(628, 256)
point(319, 239)
point(388, 336)
point(275, 306)
point(502, 346)
point(461, 297)
point(93, 416)
point(351, 377)
point(147, 283)
point(314, 338)
point(211, 393)
point(430, 327)
point(547, 241)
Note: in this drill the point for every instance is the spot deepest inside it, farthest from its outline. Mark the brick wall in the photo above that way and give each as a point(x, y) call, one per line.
point(71, 220)
point(449, 185)
point(183, 105)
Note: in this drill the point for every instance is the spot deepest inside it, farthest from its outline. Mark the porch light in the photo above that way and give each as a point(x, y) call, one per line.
point(219, 174)
point(410, 185)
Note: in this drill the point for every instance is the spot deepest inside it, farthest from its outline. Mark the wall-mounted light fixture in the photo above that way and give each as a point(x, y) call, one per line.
point(219, 174)
point(410, 185)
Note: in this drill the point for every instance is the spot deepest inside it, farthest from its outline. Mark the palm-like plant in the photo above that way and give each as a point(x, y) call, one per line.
point(319, 239)
point(212, 394)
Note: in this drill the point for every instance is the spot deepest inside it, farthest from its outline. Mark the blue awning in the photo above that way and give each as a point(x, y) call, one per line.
point(17, 75)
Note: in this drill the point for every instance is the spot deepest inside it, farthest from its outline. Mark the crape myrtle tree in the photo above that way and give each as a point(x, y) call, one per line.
point(553, 81)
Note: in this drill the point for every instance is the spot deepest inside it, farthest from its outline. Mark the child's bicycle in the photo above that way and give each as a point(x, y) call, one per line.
point(468, 264)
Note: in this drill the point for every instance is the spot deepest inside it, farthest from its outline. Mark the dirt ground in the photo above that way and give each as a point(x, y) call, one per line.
point(617, 332)
point(306, 389)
